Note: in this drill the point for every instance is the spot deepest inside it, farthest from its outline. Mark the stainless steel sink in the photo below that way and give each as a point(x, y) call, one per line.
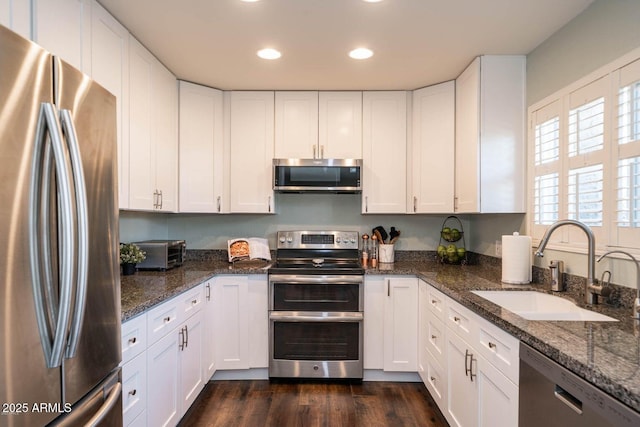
point(534, 305)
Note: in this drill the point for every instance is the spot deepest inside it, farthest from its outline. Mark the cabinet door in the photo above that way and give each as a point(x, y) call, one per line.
point(63, 27)
point(462, 393)
point(296, 125)
point(467, 184)
point(340, 125)
point(110, 68)
point(16, 15)
point(433, 146)
point(208, 333)
point(497, 397)
point(258, 313)
point(401, 324)
point(191, 380)
point(384, 152)
point(231, 320)
point(163, 366)
point(201, 149)
point(142, 189)
point(165, 136)
point(374, 298)
point(251, 186)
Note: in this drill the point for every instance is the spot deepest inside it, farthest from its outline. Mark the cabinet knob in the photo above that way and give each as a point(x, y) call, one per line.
point(456, 319)
point(433, 337)
point(132, 340)
point(492, 345)
point(194, 302)
point(433, 379)
point(132, 392)
point(167, 319)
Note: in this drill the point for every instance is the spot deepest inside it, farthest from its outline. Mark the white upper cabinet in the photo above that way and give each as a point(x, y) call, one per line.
point(63, 27)
point(201, 150)
point(110, 68)
point(296, 125)
point(153, 132)
point(340, 125)
point(252, 147)
point(384, 152)
point(16, 15)
point(490, 135)
point(432, 149)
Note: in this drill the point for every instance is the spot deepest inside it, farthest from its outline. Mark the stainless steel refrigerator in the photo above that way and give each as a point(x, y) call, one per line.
point(59, 260)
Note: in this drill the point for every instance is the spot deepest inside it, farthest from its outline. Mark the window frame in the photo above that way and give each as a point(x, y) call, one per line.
point(604, 82)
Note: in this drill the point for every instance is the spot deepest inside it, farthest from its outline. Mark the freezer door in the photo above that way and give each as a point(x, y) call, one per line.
point(88, 119)
point(25, 83)
point(101, 407)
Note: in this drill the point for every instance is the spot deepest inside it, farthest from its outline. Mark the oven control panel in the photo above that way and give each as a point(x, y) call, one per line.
point(318, 240)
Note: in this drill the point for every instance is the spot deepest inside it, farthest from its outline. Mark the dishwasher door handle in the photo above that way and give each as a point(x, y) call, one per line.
point(568, 399)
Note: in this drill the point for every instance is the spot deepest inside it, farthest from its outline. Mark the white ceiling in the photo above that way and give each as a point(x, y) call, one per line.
point(416, 42)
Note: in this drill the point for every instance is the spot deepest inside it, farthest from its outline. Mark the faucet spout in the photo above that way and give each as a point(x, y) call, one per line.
point(636, 305)
point(591, 289)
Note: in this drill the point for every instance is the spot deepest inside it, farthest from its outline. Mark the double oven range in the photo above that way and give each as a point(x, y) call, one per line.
point(316, 301)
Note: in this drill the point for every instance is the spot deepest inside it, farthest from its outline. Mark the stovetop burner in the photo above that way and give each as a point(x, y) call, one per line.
point(317, 252)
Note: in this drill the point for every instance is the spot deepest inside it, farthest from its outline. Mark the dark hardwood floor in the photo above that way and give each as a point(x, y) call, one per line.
point(300, 404)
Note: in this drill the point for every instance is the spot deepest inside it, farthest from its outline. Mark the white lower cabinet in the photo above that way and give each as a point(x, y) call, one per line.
point(161, 379)
point(469, 366)
point(209, 343)
point(391, 323)
point(241, 319)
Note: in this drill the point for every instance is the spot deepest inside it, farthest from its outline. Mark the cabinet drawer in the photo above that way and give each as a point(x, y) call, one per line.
point(436, 303)
point(435, 340)
point(435, 380)
point(499, 348)
point(134, 388)
point(462, 321)
point(161, 320)
point(134, 337)
point(192, 301)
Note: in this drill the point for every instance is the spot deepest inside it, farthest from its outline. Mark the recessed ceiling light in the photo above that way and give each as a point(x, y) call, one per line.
point(253, 1)
point(368, 1)
point(361, 53)
point(269, 53)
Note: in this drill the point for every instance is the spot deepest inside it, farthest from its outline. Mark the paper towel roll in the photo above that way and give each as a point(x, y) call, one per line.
point(516, 259)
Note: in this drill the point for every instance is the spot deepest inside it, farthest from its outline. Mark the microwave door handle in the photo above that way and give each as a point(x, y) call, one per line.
point(58, 311)
point(82, 221)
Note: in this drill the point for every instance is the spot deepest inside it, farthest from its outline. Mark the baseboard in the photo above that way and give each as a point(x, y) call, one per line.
point(380, 375)
point(242, 374)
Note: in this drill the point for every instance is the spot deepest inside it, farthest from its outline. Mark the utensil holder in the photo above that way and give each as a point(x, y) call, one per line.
point(386, 253)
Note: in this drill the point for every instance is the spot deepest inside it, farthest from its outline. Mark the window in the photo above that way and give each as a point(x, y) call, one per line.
point(585, 150)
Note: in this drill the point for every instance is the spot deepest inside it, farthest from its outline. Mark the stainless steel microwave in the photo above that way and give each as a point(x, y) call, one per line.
point(317, 175)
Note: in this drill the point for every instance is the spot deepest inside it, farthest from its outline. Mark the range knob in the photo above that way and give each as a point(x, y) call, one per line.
point(338, 239)
point(289, 239)
point(282, 239)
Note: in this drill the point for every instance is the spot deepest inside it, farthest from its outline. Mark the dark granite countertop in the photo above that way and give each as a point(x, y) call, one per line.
point(607, 354)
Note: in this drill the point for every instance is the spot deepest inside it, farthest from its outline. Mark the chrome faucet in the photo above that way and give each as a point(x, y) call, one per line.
point(592, 290)
point(636, 304)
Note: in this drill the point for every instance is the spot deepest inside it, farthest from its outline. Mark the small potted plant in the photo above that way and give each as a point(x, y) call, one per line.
point(130, 255)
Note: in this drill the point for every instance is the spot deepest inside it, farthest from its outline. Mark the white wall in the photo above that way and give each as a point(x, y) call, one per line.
point(606, 30)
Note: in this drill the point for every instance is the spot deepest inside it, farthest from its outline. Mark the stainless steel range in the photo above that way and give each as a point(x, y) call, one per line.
point(316, 306)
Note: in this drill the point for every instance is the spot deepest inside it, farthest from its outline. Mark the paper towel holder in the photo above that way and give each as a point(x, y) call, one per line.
point(557, 275)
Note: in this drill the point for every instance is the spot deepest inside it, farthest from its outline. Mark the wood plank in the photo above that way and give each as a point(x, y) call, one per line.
point(284, 403)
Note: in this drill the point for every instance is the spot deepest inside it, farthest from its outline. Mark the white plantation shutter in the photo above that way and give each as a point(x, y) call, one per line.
point(546, 129)
point(584, 146)
point(627, 157)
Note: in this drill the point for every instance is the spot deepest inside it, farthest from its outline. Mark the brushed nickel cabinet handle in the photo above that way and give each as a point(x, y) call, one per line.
point(132, 340)
point(132, 392)
point(492, 345)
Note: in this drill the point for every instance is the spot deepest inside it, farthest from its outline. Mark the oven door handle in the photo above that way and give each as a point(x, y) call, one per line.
point(310, 316)
point(315, 279)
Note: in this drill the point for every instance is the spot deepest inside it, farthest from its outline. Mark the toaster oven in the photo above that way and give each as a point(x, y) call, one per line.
point(162, 254)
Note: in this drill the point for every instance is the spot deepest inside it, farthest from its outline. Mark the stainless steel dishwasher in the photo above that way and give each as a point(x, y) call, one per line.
point(551, 395)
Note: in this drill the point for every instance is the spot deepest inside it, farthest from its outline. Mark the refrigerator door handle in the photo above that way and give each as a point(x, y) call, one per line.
point(82, 221)
point(107, 406)
point(48, 124)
